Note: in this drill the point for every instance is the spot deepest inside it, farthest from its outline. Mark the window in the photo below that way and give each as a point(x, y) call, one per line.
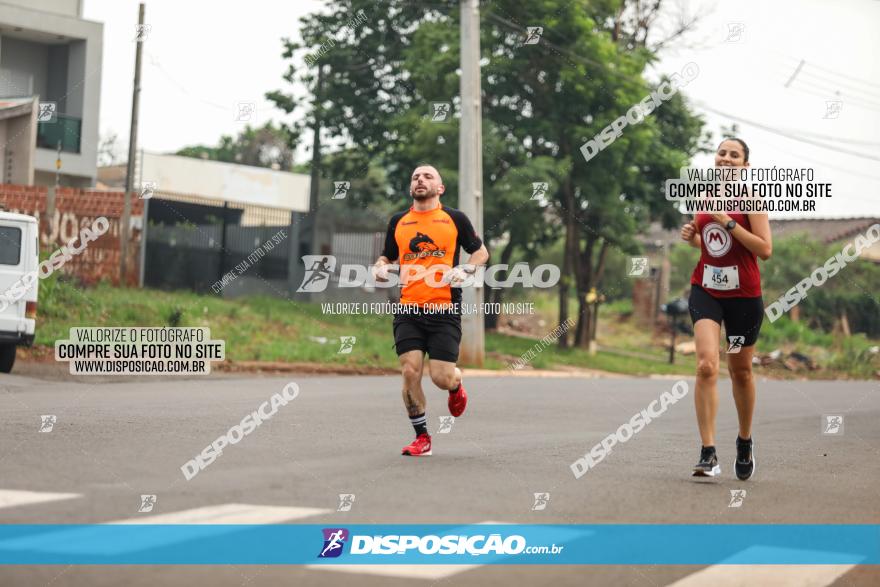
point(10, 245)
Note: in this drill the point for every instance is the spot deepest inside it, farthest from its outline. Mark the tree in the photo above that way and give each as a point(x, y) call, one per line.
point(359, 45)
point(266, 146)
point(556, 94)
point(541, 102)
point(109, 150)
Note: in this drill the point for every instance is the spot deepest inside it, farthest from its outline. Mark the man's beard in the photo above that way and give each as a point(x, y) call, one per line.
point(426, 195)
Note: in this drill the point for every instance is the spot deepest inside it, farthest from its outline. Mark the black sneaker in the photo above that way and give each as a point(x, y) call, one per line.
point(745, 459)
point(708, 465)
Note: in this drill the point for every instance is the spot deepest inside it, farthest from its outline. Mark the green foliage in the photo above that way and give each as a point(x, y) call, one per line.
point(786, 332)
point(682, 260)
point(858, 356)
point(266, 146)
point(853, 291)
point(862, 310)
point(271, 329)
point(383, 63)
point(175, 317)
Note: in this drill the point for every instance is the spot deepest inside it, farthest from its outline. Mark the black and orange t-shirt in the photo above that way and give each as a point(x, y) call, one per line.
point(426, 245)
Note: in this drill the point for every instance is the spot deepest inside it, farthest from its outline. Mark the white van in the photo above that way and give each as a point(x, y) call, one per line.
point(19, 262)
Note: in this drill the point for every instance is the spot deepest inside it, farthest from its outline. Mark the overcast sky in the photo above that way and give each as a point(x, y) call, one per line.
point(201, 59)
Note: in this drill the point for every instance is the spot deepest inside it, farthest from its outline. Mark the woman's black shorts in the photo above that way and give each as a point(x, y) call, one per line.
point(741, 316)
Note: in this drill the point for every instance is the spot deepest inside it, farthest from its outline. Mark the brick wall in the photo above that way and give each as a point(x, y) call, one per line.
point(74, 210)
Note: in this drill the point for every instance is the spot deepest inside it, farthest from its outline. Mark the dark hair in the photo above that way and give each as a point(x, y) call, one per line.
point(741, 142)
point(414, 168)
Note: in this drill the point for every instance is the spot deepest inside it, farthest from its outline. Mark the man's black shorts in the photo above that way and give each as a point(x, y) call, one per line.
point(436, 334)
point(741, 316)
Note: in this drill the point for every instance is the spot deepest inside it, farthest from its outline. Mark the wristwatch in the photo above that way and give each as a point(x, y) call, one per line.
point(731, 224)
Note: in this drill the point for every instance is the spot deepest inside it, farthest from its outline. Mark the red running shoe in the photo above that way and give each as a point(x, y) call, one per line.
point(420, 447)
point(457, 401)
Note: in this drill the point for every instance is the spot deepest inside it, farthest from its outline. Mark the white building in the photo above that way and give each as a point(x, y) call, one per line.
point(48, 51)
point(18, 139)
point(177, 177)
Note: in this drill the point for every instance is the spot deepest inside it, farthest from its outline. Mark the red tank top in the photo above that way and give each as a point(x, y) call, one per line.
point(727, 269)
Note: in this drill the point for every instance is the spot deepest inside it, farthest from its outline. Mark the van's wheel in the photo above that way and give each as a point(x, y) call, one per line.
point(7, 357)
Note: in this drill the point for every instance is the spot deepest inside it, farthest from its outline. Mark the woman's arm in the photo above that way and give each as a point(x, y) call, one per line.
point(690, 235)
point(758, 240)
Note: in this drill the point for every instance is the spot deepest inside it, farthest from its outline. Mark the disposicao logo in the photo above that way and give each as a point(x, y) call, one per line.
point(334, 541)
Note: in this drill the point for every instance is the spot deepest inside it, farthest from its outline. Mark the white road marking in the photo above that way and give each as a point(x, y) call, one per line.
point(199, 523)
point(426, 572)
point(776, 575)
point(730, 575)
point(227, 513)
point(12, 497)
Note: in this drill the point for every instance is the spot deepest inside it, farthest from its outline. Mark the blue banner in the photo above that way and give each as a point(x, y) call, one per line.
point(296, 544)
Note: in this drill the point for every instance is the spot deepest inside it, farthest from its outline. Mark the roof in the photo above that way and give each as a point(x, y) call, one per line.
point(10, 107)
point(826, 230)
point(18, 217)
point(221, 181)
point(111, 176)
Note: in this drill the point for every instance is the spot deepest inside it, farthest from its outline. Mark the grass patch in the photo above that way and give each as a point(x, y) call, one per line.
point(271, 329)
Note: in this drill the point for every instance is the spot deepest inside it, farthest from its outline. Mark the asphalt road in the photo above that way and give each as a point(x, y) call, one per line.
point(113, 441)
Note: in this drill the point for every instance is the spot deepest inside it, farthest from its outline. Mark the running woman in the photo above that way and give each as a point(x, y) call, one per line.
point(426, 240)
point(726, 288)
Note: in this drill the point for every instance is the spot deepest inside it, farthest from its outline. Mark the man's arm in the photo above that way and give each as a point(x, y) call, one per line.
point(479, 257)
point(459, 274)
point(390, 251)
point(472, 244)
point(383, 260)
point(469, 240)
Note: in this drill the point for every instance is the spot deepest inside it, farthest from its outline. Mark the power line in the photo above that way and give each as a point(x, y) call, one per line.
point(801, 72)
point(843, 75)
point(791, 61)
point(849, 99)
point(785, 134)
point(826, 164)
point(817, 79)
point(837, 92)
point(794, 75)
point(835, 139)
point(624, 77)
point(155, 63)
point(560, 50)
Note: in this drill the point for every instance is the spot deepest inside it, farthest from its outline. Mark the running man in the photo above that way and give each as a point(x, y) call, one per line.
point(320, 272)
point(334, 542)
point(726, 288)
point(426, 240)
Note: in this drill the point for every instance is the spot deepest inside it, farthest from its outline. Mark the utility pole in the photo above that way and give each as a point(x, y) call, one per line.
point(58, 166)
point(142, 270)
point(470, 168)
point(132, 149)
point(315, 177)
point(51, 193)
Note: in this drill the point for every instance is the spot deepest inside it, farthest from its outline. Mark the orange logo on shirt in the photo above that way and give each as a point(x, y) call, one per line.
point(423, 246)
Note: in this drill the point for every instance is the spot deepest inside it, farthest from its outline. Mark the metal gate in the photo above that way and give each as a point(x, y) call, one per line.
point(192, 243)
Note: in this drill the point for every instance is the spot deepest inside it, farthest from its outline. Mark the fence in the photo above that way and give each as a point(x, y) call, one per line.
point(76, 209)
point(193, 242)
